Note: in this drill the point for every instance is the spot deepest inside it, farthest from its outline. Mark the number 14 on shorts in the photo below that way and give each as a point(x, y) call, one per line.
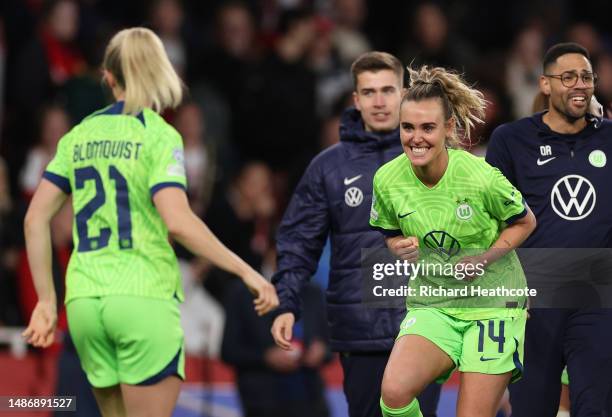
point(491, 335)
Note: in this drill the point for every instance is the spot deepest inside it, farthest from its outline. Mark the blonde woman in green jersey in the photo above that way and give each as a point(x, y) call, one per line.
point(123, 166)
point(447, 200)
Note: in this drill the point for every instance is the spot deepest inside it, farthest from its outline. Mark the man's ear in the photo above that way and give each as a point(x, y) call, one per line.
point(356, 100)
point(545, 85)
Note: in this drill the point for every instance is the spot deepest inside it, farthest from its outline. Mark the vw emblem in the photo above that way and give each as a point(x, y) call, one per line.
point(353, 197)
point(443, 243)
point(573, 197)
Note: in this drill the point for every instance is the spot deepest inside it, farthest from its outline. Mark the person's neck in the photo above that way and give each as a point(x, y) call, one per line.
point(560, 123)
point(432, 173)
point(377, 133)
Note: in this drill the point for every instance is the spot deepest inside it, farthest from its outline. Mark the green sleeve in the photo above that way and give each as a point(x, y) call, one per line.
point(382, 217)
point(167, 162)
point(58, 170)
point(502, 200)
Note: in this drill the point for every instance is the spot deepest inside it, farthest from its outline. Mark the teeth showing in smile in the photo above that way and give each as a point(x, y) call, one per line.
point(579, 100)
point(419, 151)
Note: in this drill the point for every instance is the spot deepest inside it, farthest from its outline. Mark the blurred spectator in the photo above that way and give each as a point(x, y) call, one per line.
point(53, 125)
point(202, 317)
point(39, 68)
point(330, 128)
point(10, 237)
point(347, 36)
point(433, 43)
point(82, 92)
point(495, 115)
point(281, 127)
point(585, 34)
point(50, 58)
point(6, 204)
point(333, 79)
point(236, 29)
point(268, 262)
point(2, 72)
point(199, 157)
point(330, 132)
point(224, 79)
point(273, 382)
point(603, 91)
point(234, 52)
point(242, 218)
point(166, 20)
point(523, 70)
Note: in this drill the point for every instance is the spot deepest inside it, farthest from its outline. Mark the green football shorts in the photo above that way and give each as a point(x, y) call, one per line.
point(492, 346)
point(127, 339)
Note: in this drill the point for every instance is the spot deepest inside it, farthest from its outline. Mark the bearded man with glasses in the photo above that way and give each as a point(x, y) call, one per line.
point(557, 159)
point(570, 78)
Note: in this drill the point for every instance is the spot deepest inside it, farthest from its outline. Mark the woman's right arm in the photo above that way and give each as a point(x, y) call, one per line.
point(46, 202)
point(191, 232)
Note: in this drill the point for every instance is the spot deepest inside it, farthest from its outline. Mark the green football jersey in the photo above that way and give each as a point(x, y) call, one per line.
point(462, 215)
point(113, 164)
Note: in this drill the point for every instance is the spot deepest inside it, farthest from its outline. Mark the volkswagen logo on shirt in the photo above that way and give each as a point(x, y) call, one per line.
point(573, 197)
point(443, 243)
point(353, 197)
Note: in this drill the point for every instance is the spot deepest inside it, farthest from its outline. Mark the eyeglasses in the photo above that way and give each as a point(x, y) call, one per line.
point(570, 78)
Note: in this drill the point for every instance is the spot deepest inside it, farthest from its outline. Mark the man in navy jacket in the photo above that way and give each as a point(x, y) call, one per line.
point(558, 160)
point(333, 199)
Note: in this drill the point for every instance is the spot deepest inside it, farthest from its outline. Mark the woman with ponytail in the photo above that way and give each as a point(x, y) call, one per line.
point(123, 166)
point(460, 219)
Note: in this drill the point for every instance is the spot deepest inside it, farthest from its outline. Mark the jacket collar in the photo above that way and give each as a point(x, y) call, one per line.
point(352, 130)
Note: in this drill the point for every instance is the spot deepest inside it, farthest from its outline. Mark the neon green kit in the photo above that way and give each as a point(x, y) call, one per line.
point(113, 164)
point(122, 266)
point(462, 215)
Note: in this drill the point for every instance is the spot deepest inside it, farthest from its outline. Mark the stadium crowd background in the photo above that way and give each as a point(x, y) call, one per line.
point(267, 81)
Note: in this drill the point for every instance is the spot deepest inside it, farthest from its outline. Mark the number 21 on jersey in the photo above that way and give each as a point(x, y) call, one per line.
point(90, 243)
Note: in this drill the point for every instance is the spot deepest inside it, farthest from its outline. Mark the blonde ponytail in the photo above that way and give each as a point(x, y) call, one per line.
point(463, 103)
point(140, 65)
